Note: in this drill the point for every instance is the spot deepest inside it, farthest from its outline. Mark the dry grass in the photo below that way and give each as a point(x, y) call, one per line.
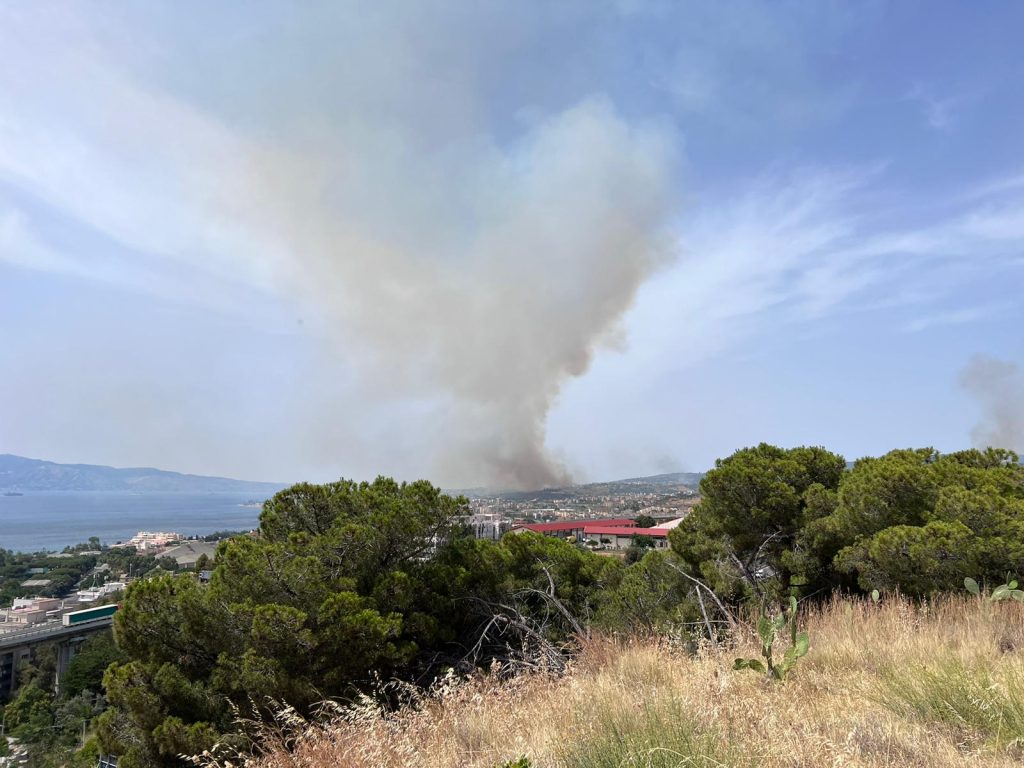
point(883, 685)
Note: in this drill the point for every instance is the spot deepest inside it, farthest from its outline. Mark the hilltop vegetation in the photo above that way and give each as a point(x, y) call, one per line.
point(772, 520)
point(348, 585)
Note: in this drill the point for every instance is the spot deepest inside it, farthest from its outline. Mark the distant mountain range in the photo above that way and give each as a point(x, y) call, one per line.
point(689, 479)
point(20, 474)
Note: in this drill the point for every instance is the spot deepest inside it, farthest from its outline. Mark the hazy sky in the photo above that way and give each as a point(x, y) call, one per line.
point(507, 243)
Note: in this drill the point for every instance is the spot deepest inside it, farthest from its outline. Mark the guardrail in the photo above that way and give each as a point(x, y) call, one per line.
point(54, 629)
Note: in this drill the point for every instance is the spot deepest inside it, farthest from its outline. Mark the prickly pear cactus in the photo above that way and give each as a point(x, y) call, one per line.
point(1007, 591)
point(768, 630)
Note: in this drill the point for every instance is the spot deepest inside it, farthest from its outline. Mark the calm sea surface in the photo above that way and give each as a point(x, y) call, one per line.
point(53, 520)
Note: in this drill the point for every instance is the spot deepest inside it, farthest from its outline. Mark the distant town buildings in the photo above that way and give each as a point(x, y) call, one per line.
point(147, 541)
point(672, 503)
point(95, 593)
point(27, 612)
point(489, 525)
point(586, 514)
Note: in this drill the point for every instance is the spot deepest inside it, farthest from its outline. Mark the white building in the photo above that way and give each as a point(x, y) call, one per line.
point(92, 595)
point(27, 612)
point(153, 540)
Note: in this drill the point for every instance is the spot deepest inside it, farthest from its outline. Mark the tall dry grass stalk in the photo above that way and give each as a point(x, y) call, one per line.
point(890, 684)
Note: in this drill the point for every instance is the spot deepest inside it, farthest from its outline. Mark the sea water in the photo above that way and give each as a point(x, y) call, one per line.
point(55, 519)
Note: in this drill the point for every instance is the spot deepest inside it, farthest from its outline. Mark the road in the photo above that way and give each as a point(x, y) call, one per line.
point(50, 631)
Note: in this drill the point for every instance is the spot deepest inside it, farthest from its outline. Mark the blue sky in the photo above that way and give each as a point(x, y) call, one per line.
point(507, 243)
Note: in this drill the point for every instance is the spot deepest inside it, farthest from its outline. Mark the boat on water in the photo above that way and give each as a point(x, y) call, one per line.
point(13, 493)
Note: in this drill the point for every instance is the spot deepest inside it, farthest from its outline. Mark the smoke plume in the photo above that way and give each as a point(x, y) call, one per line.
point(458, 216)
point(998, 386)
point(487, 278)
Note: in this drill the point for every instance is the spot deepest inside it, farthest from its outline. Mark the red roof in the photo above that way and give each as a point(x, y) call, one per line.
point(575, 525)
point(610, 530)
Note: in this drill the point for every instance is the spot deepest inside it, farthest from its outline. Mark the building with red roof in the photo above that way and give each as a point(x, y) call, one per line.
point(573, 527)
point(616, 533)
point(620, 537)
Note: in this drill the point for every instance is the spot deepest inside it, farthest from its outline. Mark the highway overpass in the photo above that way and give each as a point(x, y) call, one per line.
point(18, 646)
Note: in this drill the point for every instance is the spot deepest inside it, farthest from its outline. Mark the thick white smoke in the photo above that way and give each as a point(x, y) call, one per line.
point(528, 258)
point(998, 386)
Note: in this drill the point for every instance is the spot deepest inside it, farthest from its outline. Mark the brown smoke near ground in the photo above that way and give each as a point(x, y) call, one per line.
point(998, 386)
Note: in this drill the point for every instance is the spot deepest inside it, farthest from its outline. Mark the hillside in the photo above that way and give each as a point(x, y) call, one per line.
point(662, 484)
point(691, 479)
point(21, 474)
point(886, 685)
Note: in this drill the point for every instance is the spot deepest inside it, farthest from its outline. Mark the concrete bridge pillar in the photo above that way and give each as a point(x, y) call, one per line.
point(10, 660)
point(66, 650)
point(6, 673)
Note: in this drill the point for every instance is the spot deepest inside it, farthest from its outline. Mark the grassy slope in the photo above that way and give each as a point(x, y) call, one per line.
point(883, 685)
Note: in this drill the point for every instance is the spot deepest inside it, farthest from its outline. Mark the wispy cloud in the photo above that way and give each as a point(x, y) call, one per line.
point(939, 113)
point(18, 247)
point(954, 317)
point(798, 246)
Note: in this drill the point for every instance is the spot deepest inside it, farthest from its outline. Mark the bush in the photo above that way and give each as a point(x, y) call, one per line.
point(85, 672)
